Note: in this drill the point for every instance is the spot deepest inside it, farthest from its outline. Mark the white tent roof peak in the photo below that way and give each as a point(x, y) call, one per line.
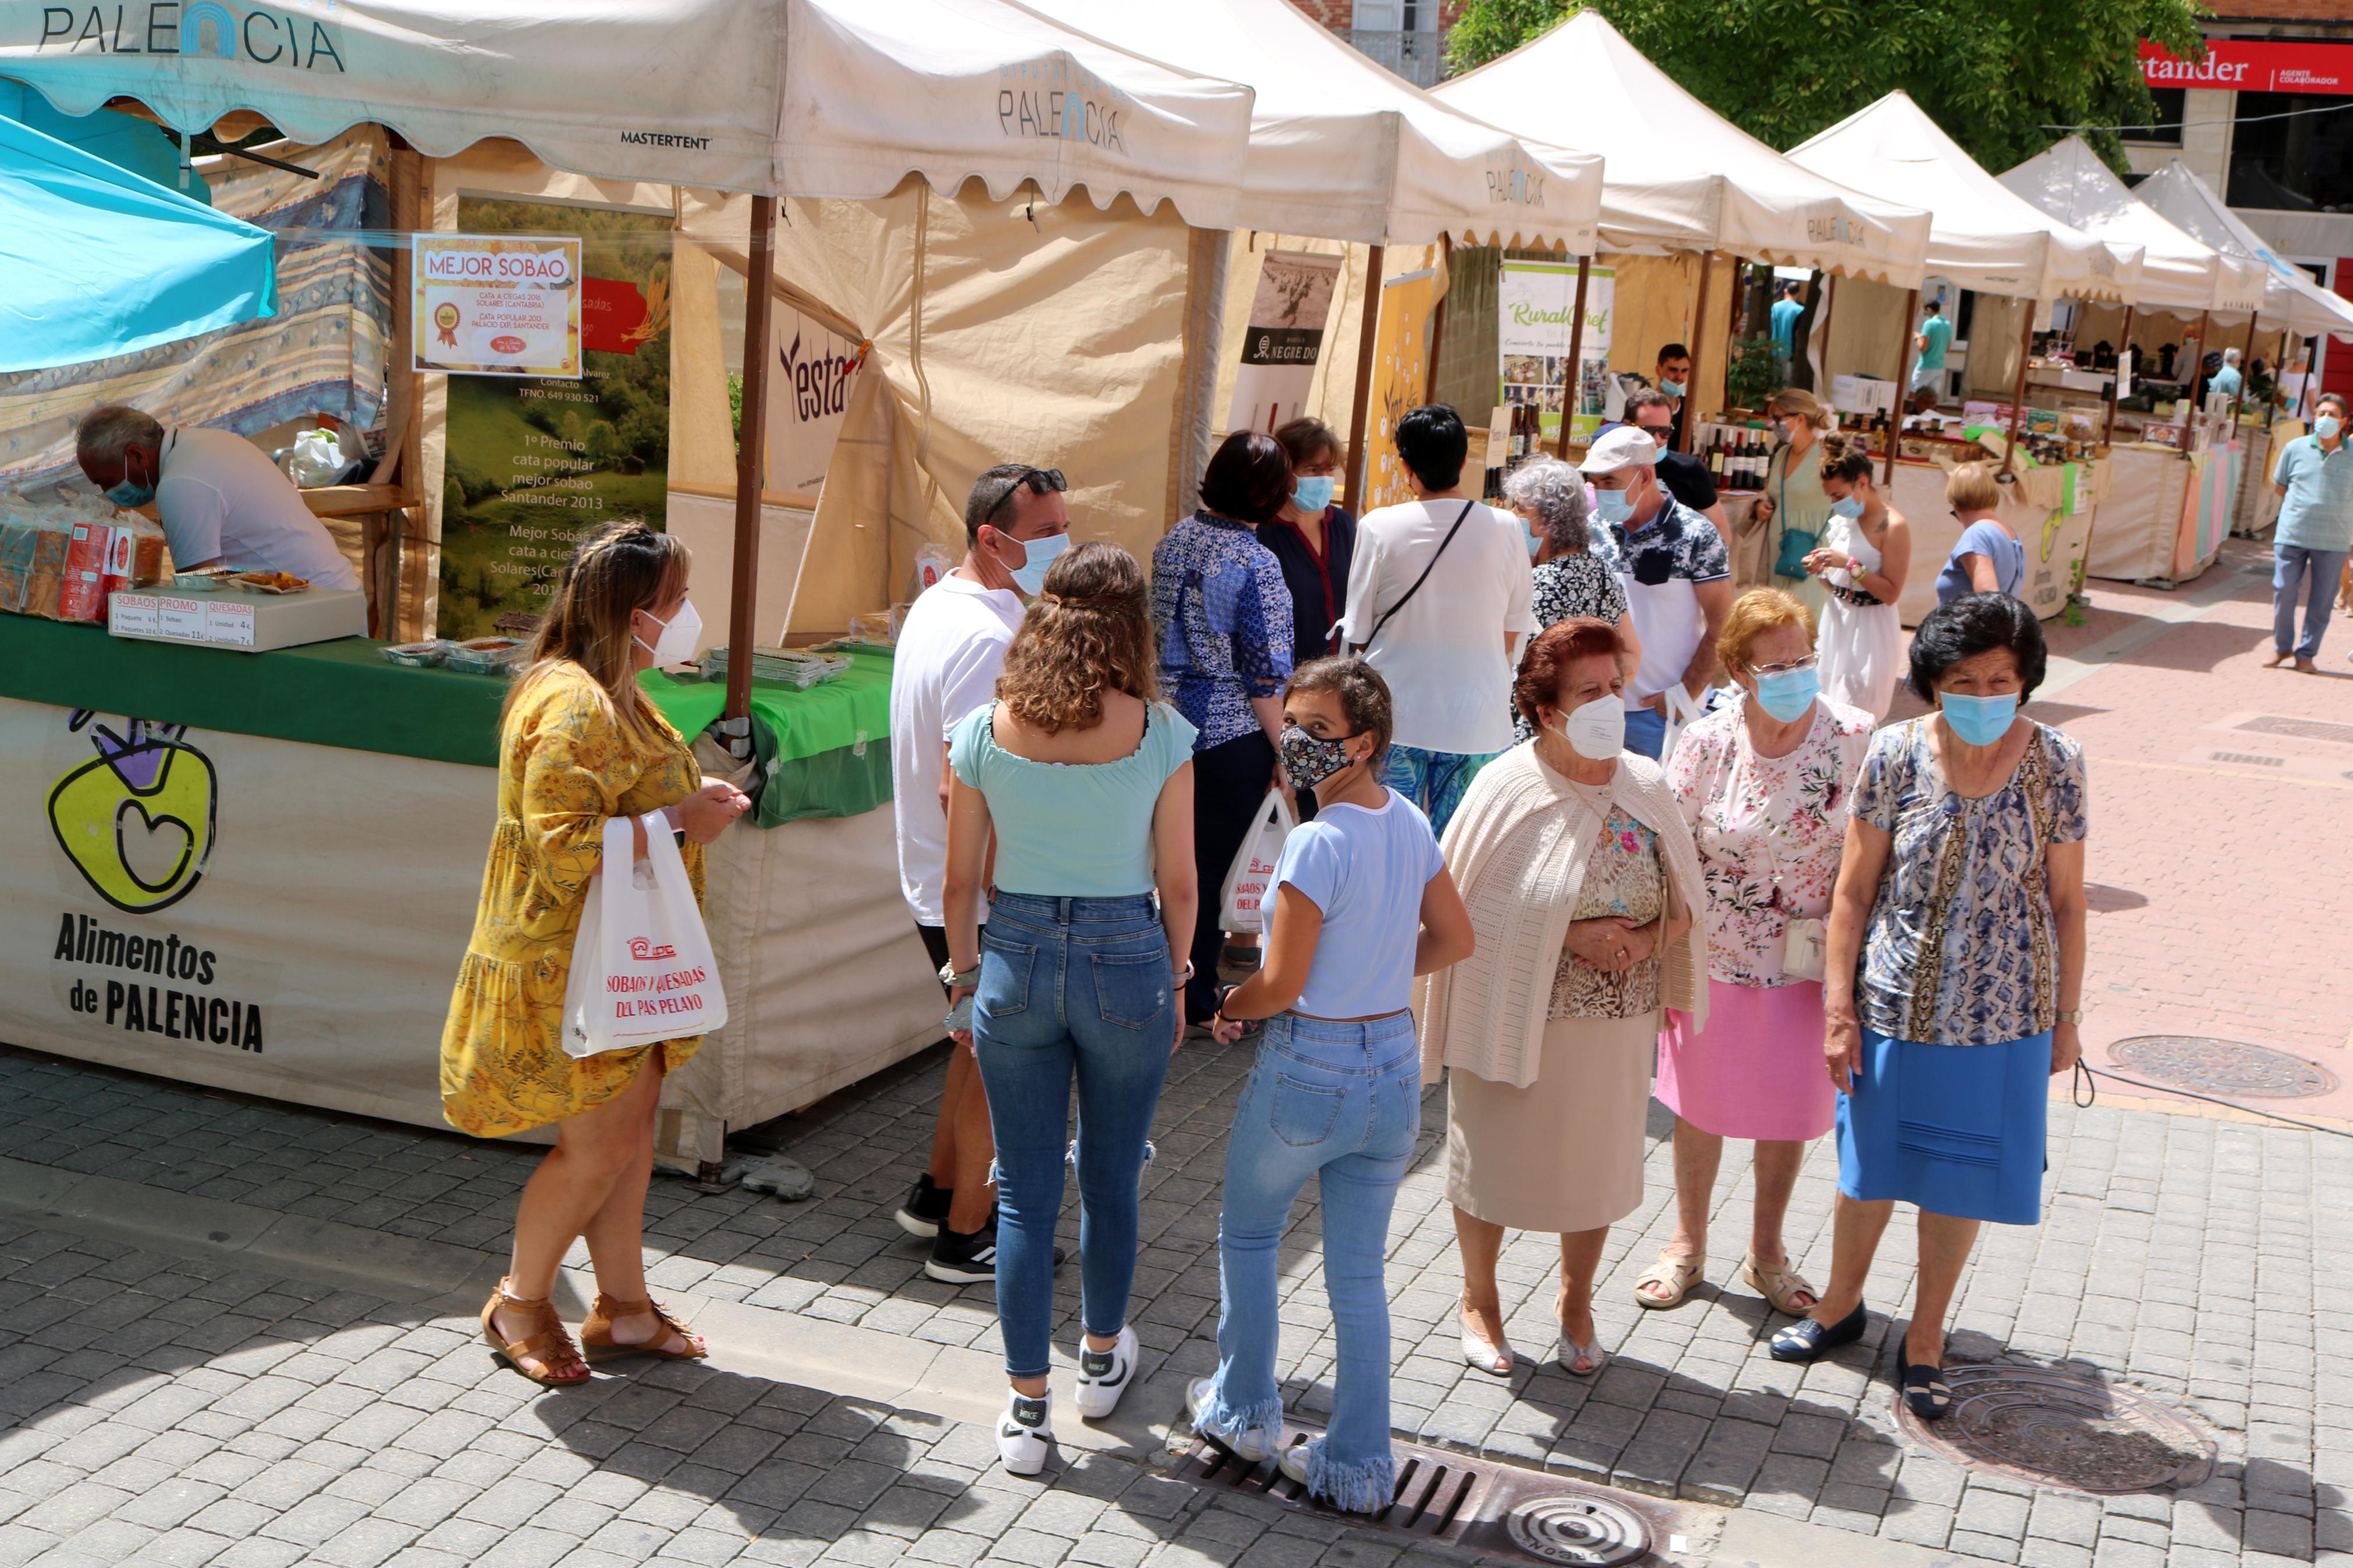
point(1676, 175)
point(1341, 148)
point(1983, 236)
point(805, 97)
point(2290, 296)
point(2179, 272)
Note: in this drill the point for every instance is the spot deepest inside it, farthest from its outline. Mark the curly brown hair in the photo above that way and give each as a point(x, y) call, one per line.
point(1089, 630)
point(1554, 650)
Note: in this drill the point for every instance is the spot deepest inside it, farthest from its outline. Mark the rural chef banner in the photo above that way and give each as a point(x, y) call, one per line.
point(486, 304)
point(1285, 339)
point(1535, 308)
point(165, 906)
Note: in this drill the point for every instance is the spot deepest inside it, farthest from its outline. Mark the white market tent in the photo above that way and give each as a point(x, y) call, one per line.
point(2179, 272)
point(1984, 236)
point(1341, 148)
point(1677, 176)
point(810, 98)
point(2290, 296)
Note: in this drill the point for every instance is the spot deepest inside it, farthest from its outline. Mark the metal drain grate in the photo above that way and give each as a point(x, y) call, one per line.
point(2221, 1067)
point(2052, 1429)
point(1497, 1509)
point(2301, 728)
point(2247, 759)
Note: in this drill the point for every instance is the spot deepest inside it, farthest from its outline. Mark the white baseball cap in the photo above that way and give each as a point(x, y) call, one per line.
point(1620, 448)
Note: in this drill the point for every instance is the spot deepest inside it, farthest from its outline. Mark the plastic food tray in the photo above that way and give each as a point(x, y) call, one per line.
point(424, 654)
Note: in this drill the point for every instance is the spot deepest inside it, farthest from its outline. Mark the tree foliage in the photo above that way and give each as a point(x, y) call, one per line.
point(1993, 73)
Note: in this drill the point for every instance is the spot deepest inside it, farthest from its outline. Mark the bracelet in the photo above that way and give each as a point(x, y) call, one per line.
point(2073, 1015)
point(1186, 974)
point(952, 977)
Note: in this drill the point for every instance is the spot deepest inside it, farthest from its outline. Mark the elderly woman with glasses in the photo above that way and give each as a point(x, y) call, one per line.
point(1549, 497)
point(1766, 787)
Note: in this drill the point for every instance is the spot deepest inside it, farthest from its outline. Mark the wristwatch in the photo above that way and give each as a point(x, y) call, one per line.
point(952, 977)
point(2073, 1015)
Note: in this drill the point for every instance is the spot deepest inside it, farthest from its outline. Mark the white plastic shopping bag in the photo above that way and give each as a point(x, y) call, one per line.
point(1682, 708)
point(1251, 877)
point(641, 964)
point(318, 459)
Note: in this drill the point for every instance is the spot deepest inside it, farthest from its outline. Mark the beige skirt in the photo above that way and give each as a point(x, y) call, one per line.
point(1565, 1153)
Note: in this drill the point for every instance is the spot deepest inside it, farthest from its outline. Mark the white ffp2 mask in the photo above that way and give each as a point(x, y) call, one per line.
point(1596, 730)
point(679, 635)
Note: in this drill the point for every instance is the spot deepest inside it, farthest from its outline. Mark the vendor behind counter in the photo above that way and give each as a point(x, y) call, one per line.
point(219, 497)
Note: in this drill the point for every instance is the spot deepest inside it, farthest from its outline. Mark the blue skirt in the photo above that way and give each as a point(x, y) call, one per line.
point(1953, 1129)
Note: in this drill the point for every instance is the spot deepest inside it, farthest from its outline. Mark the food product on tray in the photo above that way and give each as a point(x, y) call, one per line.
point(419, 654)
point(273, 582)
point(486, 655)
point(82, 594)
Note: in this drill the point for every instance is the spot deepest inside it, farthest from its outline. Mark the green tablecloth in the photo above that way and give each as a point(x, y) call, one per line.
point(824, 753)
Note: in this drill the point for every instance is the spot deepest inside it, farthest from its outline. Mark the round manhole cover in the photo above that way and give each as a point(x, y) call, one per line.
point(1585, 1531)
point(2055, 1429)
point(2221, 1067)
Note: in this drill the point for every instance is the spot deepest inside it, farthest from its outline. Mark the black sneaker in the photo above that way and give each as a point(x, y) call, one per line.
point(925, 1210)
point(968, 1257)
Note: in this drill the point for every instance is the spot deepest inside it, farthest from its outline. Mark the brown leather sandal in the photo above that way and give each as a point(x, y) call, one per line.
point(549, 1344)
point(596, 1341)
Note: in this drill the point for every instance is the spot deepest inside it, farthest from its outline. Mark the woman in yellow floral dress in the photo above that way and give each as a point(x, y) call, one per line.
point(580, 743)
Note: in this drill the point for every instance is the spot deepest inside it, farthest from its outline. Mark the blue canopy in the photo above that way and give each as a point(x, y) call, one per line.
point(97, 262)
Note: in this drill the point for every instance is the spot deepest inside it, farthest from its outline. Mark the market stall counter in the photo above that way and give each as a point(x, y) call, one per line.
point(2049, 508)
point(258, 871)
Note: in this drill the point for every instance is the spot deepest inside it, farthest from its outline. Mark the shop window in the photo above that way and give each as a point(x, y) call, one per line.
point(2165, 125)
point(2293, 151)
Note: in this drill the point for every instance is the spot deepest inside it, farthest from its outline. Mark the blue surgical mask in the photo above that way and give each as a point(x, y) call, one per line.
point(1848, 509)
point(1613, 506)
point(1979, 720)
point(2327, 428)
point(1313, 494)
point(127, 494)
point(1672, 388)
point(1031, 578)
point(1788, 693)
point(1535, 546)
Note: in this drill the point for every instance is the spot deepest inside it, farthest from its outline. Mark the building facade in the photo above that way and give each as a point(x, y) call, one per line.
point(1409, 36)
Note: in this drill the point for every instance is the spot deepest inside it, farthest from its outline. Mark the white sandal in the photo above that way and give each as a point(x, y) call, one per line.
point(1494, 1360)
point(1593, 1353)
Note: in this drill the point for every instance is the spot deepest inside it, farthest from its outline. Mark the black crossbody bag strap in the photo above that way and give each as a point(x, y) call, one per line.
point(1460, 519)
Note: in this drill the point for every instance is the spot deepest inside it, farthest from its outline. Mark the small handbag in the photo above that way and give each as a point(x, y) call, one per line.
point(1797, 544)
point(1803, 952)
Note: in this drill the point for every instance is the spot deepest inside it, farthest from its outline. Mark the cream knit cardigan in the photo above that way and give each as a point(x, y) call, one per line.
point(1487, 1014)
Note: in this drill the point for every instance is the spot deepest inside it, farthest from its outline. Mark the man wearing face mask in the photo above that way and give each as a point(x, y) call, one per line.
point(1652, 412)
point(221, 501)
point(1671, 375)
point(949, 655)
point(1676, 573)
point(2313, 479)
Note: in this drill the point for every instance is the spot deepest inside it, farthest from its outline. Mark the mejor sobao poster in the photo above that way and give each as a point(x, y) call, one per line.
point(1536, 311)
point(488, 304)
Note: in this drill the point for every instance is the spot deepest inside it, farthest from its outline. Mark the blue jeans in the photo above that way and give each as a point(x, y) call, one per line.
point(1646, 731)
point(2289, 563)
point(1083, 986)
point(1434, 781)
point(1341, 1102)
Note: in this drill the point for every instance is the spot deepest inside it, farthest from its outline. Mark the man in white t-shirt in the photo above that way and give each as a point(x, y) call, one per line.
point(220, 499)
point(950, 652)
point(1447, 648)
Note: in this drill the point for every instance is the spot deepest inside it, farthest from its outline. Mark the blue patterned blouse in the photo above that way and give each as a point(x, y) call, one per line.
point(1222, 614)
point(1962, 948)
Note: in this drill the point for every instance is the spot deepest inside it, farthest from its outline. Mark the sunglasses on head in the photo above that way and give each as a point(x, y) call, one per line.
point(1038, 481)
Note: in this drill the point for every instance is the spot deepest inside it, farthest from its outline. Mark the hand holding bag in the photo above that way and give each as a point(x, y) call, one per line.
point(1241, 900)
point(642, 969)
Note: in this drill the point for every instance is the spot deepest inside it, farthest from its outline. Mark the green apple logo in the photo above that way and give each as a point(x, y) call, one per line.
point(137, 819)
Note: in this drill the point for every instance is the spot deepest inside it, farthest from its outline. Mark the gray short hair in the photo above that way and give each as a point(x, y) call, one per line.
point(110, 431)
point(1556, 492)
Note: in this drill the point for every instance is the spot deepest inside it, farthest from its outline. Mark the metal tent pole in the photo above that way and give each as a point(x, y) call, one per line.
point(1572, 375)
point(1360, 466)
point(2017, 391)
point(2116, 380)
point(750, 458)
point(2246, 363)
point(1699, 335)
point(2198, 366)
point(1437, 320)
point(1902, 383)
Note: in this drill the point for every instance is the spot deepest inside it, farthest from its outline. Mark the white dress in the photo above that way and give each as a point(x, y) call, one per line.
point(1862, 646)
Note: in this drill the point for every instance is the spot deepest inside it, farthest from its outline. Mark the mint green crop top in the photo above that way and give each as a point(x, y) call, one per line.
point(1072, 830)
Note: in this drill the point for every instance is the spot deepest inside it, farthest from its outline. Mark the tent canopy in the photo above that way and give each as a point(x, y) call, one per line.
point(1704, 184)
point(2177, 272)
point(100, 261)
point(1983, 236)
point(2290, 296)
point(813, 97)
point(1341, 148)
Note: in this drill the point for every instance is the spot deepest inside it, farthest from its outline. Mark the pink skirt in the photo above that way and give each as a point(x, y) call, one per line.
point(1755, 1071)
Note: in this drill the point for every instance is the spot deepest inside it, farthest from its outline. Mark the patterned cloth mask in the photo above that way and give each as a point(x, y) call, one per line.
point(1312, 759)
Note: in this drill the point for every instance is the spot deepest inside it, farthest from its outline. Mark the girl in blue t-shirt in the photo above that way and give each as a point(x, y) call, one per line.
point(1363, 903)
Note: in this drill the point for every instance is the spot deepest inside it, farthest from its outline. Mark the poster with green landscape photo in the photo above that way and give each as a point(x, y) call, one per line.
point(534, 466)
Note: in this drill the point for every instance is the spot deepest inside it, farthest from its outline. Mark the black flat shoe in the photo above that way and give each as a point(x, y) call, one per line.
point(1807, 1340)
point(1925, 1391)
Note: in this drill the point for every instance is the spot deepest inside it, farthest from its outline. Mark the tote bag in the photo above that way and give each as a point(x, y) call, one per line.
point(641, 965)
point(1241, 900)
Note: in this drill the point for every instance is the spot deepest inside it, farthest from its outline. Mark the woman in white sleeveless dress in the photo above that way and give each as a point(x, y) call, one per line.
point(1865, 550)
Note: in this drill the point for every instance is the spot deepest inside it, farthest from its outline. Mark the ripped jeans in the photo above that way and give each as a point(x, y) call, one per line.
point(1070, 987)
point(1340, 1102)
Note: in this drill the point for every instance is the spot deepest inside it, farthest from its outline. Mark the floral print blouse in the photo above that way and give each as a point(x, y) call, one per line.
point(1221, 612)
point(1770, 830)
point(1962, 948)
point(1624, 877)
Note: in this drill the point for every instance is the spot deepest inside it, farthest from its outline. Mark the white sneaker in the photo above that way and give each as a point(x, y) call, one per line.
point(1104, 1375)
point(1025, 1433)
point(1292, 1462)
point(1252, 1447)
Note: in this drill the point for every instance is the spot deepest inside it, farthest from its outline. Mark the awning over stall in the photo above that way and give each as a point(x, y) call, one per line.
point(2179, 272)
point(1677, 176)
point(2290, 296)
point(1984, 236)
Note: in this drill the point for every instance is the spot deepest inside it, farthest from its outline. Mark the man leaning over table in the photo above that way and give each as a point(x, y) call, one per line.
point(221, 501)
point(2314, 478)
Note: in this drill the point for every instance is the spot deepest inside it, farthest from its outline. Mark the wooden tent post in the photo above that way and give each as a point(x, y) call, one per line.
point(751, 459)
point(2198, 365)
point(1690, 433)
point(2247, 369)
point(1572, 375)
point(1903, 383)
point(2117, 379)
point(2017, 391)
point(1360, 467)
